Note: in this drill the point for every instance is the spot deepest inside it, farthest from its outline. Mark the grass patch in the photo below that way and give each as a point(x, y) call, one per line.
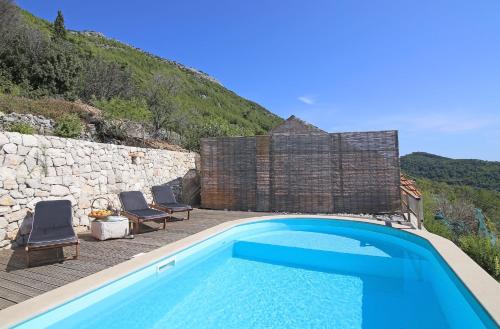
point(22, 128)
point(47, 107)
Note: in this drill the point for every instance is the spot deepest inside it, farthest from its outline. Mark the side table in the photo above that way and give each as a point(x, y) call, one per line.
point(105, 229)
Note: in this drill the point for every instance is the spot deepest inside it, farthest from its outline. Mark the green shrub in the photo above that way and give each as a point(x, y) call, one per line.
point(131, 109)
point(22, 128)
point(483, 252)
point(434, 226)
point(69, 126)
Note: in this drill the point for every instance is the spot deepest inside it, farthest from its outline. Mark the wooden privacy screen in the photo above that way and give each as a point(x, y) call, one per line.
point(306, 172)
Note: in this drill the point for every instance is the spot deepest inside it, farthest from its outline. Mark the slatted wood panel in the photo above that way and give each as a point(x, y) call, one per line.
point(18, 283)
point(309, 173)
point(232, 174)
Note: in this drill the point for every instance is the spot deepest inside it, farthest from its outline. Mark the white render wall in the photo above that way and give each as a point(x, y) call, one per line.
point(35, 168)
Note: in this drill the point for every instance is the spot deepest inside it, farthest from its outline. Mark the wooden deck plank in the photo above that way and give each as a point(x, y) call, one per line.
point(4, 303)
point(27, 281)
point(14, 296)
point(20, 288)
point(39, 277)
point(18, 283)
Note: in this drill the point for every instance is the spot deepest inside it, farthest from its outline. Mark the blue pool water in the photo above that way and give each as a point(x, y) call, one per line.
point(284, 274)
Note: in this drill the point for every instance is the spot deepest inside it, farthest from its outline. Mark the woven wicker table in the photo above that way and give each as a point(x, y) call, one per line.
point(103, 230)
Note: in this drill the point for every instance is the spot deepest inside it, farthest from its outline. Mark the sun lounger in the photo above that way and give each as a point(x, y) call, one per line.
point(52, 227)
point(136, 209)
point(164, 199)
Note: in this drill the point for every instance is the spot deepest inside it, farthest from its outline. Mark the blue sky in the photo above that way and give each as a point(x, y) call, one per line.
point(429, 68)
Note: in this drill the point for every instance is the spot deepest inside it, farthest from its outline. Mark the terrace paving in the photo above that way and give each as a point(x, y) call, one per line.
point(19, 283)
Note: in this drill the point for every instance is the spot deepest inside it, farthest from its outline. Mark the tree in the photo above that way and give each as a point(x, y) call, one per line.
point(59, 29)
point(40, 66)
point(104, 80)
point(160, 100)
point(9, 17)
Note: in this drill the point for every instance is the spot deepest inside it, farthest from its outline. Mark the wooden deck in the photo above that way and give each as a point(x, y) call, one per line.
point(18, 283)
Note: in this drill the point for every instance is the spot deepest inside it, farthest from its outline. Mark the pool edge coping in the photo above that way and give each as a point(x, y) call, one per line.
point(482, 286)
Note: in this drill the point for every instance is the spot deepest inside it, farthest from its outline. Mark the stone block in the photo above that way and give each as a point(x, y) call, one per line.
point(29, 192)
point(30, 162)
point(10, 148)
point(55, 153)
point(63, 171)
point(17, 195)
point(68, 180)
point(10, 184)
point(7, 200)
point(57, 142)
point(52, 180)
point(31, 204)
point(84, 203)
point(12, 160)
point(7, 173)
point(22, 171)
point(85, 169)
point(12, 230)
point(44, 142)
point(87, 189)
point(3, 139)
point(69, 159)
point(23, 150)
point(16, 216)
point(59, 162)
point(22, 202)
point(33, 183)
point(59, 190)
point(29, 140)
point(50, 172)
point(16, 138)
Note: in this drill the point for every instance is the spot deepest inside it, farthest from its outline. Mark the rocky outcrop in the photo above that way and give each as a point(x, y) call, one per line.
point(40, 124)
point(35, 168)
point(97, 129)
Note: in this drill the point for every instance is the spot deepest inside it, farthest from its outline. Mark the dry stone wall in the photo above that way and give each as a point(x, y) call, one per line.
point(35, 168)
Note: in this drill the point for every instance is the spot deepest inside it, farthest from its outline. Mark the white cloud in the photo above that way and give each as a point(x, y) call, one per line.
point(309, 100)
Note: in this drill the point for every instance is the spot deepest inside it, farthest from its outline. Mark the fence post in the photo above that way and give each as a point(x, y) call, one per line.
point(420, 212)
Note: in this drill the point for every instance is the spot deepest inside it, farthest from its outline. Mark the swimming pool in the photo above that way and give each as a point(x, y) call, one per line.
point(288, 273)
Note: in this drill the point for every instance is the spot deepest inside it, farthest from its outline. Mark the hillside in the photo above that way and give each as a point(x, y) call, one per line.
point(44, 60)
point(453, 191)
point(475, 173)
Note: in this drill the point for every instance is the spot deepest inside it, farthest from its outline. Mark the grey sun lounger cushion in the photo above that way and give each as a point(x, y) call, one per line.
point(164, 196)
point(52, 224)
point(134, 203)
point(133, 200)
point(148, 213)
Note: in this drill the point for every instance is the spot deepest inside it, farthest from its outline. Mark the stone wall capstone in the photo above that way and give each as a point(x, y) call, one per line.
point(35, 168)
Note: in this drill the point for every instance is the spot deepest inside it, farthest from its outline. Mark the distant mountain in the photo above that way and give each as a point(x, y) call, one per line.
point(475, 173)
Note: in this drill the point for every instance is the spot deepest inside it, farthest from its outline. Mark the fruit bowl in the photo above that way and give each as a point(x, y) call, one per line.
point(100, 214)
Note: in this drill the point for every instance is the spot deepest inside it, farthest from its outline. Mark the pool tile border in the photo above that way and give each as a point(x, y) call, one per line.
point(482, 286)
